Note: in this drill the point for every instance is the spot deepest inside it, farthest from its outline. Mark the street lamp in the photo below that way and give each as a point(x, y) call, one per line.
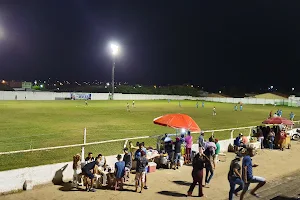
point(114, 51)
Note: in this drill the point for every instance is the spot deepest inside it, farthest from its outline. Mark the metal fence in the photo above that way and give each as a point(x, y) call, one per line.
point(49, 155)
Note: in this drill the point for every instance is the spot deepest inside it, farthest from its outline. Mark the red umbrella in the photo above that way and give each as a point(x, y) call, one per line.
point(177, 121)
point(278, 120)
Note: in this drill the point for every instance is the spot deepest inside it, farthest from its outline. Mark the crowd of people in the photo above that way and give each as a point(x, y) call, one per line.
point(94, 167)
point(240, 175)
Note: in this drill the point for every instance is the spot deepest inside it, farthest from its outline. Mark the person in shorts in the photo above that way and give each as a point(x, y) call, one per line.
point(247, 174)
point(119, 172)
point(140, 175)
point(88, 171)
point(128, 163)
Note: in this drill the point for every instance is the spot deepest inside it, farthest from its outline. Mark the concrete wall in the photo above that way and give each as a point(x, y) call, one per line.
point(56, 173)
point(247, 100)
point(26, 95)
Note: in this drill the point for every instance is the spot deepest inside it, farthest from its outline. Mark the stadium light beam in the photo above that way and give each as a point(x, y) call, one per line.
point(114, 50)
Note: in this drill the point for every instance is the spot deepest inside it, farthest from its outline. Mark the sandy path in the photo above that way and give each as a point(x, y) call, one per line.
point(171, 184)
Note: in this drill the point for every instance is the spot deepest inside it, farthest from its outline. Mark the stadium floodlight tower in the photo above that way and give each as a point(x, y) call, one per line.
point(115, 51)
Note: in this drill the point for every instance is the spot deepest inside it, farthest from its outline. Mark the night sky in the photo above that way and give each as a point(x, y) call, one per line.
point(210, 43)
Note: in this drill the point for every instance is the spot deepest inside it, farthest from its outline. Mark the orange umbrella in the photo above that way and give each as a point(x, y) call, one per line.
point(177, 121)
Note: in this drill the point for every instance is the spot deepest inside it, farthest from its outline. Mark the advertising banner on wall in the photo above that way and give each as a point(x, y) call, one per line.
point(81, 96)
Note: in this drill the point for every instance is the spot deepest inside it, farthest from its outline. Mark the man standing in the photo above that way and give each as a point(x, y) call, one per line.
point(119, 172)
point(235, 177)
point(197, 104)
point(177, 153)
point(248, 176)
point(201, 143)
point(214, 111)
point(189, 144)
point(128, 163)
point(292, 115)
point(140, 175)
point(215, 156)
point(202, 104)
point(133, 104)
point(128, 108)
point(235, 108)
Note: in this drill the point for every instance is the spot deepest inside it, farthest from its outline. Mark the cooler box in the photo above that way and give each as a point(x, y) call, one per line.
point(151, 167)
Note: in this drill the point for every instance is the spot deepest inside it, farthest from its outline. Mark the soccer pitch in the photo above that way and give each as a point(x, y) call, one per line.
point(37, 124)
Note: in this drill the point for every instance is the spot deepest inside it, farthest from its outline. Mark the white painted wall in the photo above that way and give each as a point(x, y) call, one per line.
point(10, 95)
point(14, 179)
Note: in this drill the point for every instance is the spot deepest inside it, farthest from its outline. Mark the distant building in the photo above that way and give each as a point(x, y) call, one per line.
point(15, 84)
point(271, 96)
point(26, 85)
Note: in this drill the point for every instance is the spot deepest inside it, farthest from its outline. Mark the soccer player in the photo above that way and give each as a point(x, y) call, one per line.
point(133, 104)
point(214, 111)
point(86, 103)
point(128, 107)
point(202, 104)
point(241, 107)
point(235, 108)
point(197, 104)
point(292, 115)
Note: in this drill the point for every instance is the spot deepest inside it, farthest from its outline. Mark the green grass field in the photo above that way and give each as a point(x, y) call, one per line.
point(36, 124)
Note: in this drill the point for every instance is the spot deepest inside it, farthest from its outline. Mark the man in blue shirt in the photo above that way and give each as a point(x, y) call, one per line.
point(247, 174)
point(119, 172)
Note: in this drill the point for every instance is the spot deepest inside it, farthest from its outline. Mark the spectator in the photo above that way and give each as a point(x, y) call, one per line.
point(245, 140)
point(216, 155)
point(119, 172)
point(140, 175)
point(247, 174)
point(88, 171)
point(237, 142)
point(138, 152)
point(90, 158)
point(261, 138)
point(77, 170)
point(128, 162)
point(197, 174)
point(209, 164)
point(132, 148)
point(102, 167)
point(282, 138)
point(201, 142)
point(235, 177)
point(144, 148)
point(189, 144)
point(177, 153)
point(271, 138)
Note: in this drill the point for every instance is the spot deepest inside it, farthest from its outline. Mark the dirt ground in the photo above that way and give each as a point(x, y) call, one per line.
point(279, 168)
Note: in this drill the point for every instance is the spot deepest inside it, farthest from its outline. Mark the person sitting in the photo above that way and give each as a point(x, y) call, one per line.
point(244, 141)
point(90, 158)
point(237, 142)
point(102, 168)
point(88, 171)
point(119, 172)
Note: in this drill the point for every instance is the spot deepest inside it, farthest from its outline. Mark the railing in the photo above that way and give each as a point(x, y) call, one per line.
point(82, 145)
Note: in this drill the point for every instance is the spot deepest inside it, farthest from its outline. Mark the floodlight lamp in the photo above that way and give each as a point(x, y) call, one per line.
point(115, 49)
